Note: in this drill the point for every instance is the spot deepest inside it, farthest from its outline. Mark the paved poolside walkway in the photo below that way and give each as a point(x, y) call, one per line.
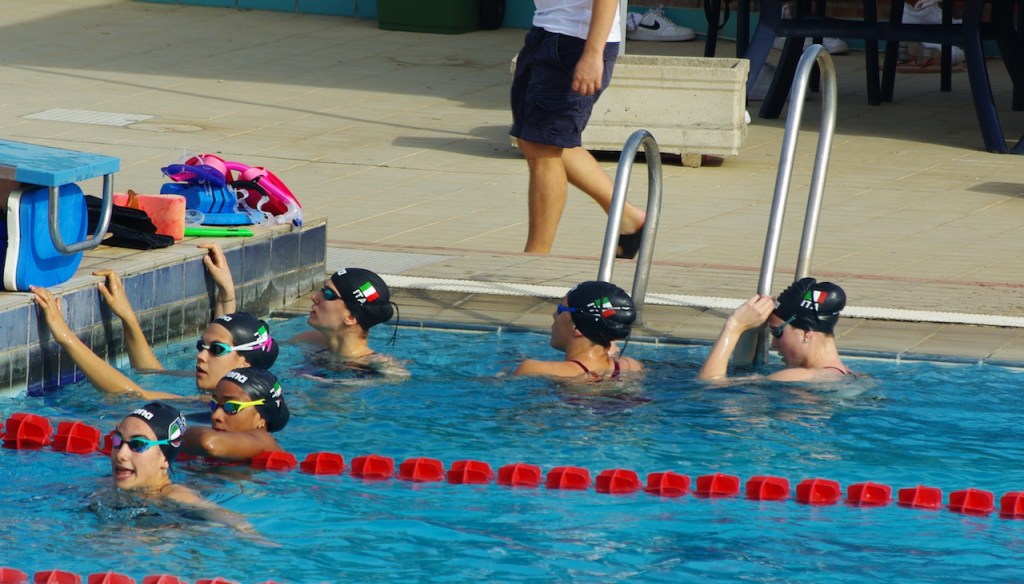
point(399, 139)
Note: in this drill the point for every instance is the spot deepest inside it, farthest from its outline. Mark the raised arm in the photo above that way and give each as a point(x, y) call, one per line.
point(751, 314)
point(228, 445)
point(99, 373)
point(217, 266)
point(140, 353)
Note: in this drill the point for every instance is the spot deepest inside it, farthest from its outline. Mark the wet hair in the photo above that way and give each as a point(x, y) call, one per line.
point(167, 423)
point(258, 384)
point(811, 305)
point(365, 295)
point(247, 330)
point(603, 312)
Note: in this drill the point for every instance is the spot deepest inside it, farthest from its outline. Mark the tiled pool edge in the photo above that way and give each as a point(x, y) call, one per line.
point(170, 292)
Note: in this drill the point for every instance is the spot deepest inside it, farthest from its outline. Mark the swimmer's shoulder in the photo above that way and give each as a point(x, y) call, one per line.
point(311, 337)
point(559, 369)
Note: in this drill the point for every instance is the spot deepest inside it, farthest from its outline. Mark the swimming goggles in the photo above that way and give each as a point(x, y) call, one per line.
point(777, 330)
point(136, 444)
point(563, 308)
point(218, 348)
point(329, 294)
point(232, 407)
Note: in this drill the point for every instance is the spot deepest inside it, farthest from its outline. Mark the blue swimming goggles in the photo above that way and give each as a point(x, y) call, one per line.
point(778, 330)
point(136, 443)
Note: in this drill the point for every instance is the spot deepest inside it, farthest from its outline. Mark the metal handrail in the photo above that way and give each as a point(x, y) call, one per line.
point(611, 235)
point(106, 208)
point(753, 345)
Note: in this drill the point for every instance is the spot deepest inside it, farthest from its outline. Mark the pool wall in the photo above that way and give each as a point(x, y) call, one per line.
point(170, 291)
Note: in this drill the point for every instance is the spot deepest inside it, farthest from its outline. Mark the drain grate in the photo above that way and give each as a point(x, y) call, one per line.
point(76, 116)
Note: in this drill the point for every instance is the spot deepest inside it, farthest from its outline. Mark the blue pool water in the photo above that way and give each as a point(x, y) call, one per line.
point(947, 426)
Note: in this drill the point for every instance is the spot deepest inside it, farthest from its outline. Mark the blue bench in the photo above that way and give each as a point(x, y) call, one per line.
point(34, 180)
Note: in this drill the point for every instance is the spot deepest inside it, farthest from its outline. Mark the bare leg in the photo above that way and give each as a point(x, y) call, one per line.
point(548, 191)
point(584, 172)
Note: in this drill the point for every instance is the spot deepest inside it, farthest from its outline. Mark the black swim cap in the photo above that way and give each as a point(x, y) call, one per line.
point(259, 383)
point(168, 423)
point(365, 295)
point(603, 311)
point(252, 337)
point(812, 305)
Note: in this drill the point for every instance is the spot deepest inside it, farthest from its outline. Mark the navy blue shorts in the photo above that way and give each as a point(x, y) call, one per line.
point(545, 109)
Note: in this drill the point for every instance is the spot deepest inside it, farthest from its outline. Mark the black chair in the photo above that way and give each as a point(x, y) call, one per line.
point(967, 35)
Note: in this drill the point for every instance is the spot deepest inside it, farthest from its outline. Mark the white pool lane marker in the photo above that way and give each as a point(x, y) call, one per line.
point(537, 291)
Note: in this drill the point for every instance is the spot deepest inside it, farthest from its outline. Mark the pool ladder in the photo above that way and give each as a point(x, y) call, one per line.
point(611, 235)
point(753, 346)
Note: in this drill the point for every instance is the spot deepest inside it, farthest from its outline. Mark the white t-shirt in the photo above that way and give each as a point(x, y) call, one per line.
point(570, 17)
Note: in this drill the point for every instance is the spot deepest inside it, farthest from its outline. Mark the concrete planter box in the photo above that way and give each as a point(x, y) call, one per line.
point(691, 105)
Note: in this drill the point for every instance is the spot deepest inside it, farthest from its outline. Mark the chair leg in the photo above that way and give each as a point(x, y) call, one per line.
point(892, 54)
point(981, 90)
point(712, 8)
point(782, 83)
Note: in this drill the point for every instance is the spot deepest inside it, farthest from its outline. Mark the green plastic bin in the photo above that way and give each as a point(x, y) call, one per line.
point(437, 16)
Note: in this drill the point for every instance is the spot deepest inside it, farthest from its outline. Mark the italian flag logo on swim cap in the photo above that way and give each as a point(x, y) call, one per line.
point(603, 307)
point(368, 293)
point(815, 296)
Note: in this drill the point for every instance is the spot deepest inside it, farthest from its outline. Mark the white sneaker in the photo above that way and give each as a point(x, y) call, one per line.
point(833, 46)
point(655, 26)
point(926, 12)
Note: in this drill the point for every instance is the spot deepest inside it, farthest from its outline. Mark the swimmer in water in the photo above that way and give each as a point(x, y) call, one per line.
point(585, 325)
point(351, 302)
point(800, 322)
point(144, 446)
point(247, 407)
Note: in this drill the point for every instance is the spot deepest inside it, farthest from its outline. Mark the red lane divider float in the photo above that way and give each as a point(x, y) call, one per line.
point(618, 481)
point(571, 478)
point(767, 488)
point(373, 467)
point(717, 485)
point(920, 497)
point(470, 472)
point(12, 576)
point(421, 470)
point(323, 463)
point(667, 484)
point(519, 474)
point(29, 431)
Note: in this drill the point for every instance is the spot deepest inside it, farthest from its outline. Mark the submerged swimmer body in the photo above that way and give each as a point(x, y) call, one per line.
point(585, 325)
point(800, 322)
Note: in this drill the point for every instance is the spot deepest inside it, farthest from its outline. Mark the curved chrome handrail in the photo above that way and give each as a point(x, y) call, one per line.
point(611, 235)
point(753, 346)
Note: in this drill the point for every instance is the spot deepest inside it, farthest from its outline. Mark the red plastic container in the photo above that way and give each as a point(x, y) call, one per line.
point(110, 578)
point(868, 494)
point(519, 474)
point(767, 488)
point(667, 484)
point(27, 431)
point(1011, 505)
point(920, 497)
point(323, 463)
point(972, 502)
point(56, 577)
point(818, 492)
point(568, 478)
point(373, 466)
point(470, 472)
point(274, 461)
point(421, 470)
point(717, 485)
point(618, 481)
point(76, 438)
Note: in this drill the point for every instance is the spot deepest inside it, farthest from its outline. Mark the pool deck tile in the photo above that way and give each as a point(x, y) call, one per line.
point(399, 140)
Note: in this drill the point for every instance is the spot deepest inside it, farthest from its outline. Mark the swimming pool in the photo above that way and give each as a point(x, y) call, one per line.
point(947, 426)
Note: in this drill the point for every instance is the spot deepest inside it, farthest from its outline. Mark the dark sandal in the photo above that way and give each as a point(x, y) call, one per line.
point(629, 245)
